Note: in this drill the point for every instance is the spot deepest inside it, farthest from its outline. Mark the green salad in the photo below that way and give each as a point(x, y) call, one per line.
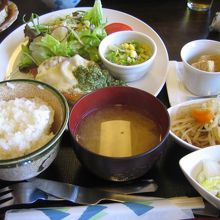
point(78, 33)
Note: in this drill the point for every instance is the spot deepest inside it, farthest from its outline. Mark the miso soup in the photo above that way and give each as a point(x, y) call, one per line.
point(118, 131)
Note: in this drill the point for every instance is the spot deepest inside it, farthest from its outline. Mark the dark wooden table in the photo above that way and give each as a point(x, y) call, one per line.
point(176, 25)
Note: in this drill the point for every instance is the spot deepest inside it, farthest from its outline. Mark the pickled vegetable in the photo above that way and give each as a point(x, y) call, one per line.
point(129, 53)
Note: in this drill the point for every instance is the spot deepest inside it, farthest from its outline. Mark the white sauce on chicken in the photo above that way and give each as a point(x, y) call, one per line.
point(58, 71)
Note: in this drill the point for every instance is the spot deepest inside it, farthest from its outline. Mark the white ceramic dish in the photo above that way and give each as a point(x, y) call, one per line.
point(153, 82)
point(132, 72)
point(191, 165)
point(177, 93)
point(172, 111)
point(12, 16)
point(197, 81)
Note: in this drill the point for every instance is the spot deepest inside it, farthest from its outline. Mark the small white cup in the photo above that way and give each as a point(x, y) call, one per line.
point(127, 73)
point(199, 82)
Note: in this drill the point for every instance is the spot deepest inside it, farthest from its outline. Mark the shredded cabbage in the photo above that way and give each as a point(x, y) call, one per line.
point(209, 177)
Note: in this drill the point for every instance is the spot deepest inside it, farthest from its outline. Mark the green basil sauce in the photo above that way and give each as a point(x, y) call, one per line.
point(93, 77)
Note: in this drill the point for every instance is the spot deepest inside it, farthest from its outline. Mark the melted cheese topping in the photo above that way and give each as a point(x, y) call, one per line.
point(58, 71)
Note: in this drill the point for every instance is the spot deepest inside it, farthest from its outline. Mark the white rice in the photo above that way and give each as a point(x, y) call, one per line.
point(24, 126)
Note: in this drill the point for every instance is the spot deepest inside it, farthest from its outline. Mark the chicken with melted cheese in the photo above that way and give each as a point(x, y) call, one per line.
point(74, 76)
point(58, 71)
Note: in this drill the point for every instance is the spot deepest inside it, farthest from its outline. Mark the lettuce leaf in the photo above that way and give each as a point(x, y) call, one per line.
point(26, 59)
point(83, 39)
point(95, 15)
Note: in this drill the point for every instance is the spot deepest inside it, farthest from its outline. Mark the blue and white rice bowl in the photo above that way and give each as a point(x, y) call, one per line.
point(29, 165)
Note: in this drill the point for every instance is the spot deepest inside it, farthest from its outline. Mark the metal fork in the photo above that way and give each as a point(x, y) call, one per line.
point(22, 193)
point(27, 193)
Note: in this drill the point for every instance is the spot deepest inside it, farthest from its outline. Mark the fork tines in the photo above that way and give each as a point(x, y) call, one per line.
point(6, 197)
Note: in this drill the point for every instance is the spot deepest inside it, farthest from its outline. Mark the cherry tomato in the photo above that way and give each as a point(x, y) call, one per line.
point(114, 27)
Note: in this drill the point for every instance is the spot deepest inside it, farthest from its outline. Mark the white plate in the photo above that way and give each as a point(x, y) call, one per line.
point(153, 82)
point(177, 92)
point(191, 165)
point(175, 88)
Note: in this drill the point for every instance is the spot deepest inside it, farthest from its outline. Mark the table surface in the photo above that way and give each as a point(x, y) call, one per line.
point(176, 25)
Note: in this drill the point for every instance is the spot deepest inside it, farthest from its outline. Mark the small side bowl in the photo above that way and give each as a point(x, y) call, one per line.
point(172, 112)
point(119, 168)
point(34, 163)
point(191, 165)
point(127, 73)
point(197, 81)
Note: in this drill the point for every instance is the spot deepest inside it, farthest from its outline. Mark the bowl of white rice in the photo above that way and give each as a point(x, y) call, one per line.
point(33, 117)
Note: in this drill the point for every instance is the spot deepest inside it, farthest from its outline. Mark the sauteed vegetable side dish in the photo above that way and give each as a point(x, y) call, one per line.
point(198, 124)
